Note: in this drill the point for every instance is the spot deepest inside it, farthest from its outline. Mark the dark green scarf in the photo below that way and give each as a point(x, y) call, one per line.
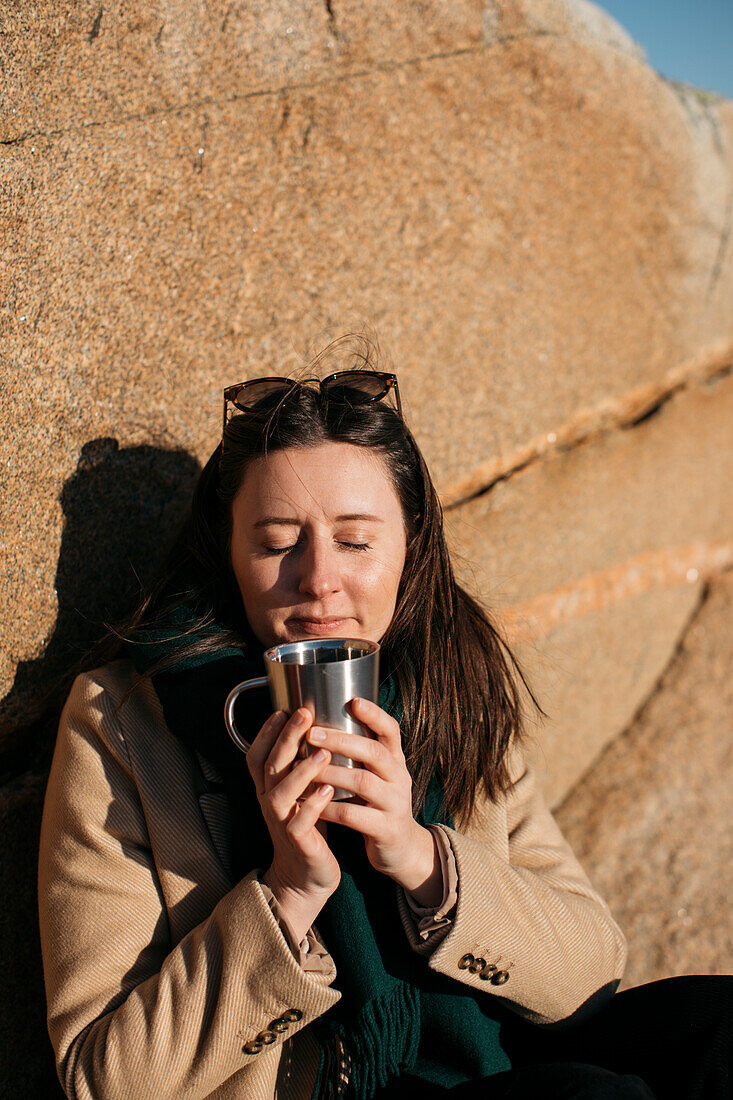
point(395, 1015)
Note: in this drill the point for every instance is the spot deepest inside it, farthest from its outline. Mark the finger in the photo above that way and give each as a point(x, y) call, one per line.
point(363, 819)
point(383, 725)
point(309, 812)
point(365, 750)
point(262, 745)
point(374, 791)
point(284, 796)
point(285, 749)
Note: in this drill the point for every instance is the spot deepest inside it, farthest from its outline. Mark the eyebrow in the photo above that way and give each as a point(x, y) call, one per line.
point(282, 521)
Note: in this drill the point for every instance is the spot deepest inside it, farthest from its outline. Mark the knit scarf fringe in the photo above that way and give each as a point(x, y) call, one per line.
point(356, 1061)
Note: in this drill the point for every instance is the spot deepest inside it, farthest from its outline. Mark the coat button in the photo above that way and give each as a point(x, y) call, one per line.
point(292, 1015)
point(279, 1025)
point(487, 971)
point(252, 1048)
point(500, 977)
point(477, 966)
point(464, 962)
point(266, 1037)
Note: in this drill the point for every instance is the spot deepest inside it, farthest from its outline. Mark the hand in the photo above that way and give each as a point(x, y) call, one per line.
point(304, 871)
point(396, 844)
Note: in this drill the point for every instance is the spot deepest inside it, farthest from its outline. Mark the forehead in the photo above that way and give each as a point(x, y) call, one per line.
point(330, 479)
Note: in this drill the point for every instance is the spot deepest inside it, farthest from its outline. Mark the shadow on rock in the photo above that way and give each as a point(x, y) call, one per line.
point(121, 509)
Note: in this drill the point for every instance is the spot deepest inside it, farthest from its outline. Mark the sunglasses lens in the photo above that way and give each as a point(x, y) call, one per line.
point(261, 396)
point(356, 387)
point(252, 393)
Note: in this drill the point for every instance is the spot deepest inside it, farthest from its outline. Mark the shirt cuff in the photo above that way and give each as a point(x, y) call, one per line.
point(310, 953)
point(429, 919)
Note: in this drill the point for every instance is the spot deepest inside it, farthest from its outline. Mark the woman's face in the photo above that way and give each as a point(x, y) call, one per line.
point(318, 544)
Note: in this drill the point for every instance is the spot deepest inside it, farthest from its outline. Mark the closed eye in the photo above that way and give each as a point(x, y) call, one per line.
point(293, 546)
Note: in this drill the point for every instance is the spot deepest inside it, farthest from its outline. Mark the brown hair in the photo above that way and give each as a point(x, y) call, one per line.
point(454, 670)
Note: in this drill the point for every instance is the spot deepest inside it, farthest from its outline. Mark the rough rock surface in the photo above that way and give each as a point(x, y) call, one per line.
point(652, 820)
point(593, 556)
point(173, 223)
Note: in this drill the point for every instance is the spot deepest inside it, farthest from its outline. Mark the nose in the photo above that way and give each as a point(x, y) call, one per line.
point(319, 574)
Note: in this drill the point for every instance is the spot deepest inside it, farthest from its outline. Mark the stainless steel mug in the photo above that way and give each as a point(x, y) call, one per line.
point(322, 674)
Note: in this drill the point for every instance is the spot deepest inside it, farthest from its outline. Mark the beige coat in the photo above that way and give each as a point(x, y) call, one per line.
point(161, 973)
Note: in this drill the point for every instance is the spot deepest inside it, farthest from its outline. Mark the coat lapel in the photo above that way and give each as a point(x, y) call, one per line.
point(215, 810)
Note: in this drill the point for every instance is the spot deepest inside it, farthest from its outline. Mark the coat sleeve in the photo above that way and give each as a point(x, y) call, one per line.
point(129, 1013)
point(528, 927)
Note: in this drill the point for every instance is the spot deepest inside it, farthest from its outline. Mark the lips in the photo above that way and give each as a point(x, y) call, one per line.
point(316, 626)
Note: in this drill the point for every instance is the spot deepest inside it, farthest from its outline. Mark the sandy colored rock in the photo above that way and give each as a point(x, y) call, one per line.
point(485, 210)
point(664, 483)
point(652, 821)
point(99, 62)
point(572, 18)
point(592, 673)
point(108, 62)
point(588, 522)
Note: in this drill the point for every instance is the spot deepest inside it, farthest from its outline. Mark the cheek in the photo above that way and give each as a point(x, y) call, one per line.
point(381, 582)
point(255, 580)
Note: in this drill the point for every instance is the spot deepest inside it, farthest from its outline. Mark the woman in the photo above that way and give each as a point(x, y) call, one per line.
point(215, 925)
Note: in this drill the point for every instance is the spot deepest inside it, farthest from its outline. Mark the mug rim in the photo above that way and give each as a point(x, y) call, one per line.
point(321, 643)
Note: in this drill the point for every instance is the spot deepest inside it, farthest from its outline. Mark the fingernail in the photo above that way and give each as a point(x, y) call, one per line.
point(298, 719)
point(320, 755)
point(325, 789)
point(318, 735)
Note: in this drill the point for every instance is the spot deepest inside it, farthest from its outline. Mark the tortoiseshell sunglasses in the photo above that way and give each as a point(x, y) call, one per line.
point(352, 387)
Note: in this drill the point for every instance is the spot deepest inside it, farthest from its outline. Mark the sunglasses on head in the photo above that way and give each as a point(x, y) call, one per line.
point(350, 387)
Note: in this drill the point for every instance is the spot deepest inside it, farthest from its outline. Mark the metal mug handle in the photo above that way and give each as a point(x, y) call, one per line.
point(260, 681)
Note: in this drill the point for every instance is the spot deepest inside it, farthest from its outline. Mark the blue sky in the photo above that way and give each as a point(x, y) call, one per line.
point(690, 40)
